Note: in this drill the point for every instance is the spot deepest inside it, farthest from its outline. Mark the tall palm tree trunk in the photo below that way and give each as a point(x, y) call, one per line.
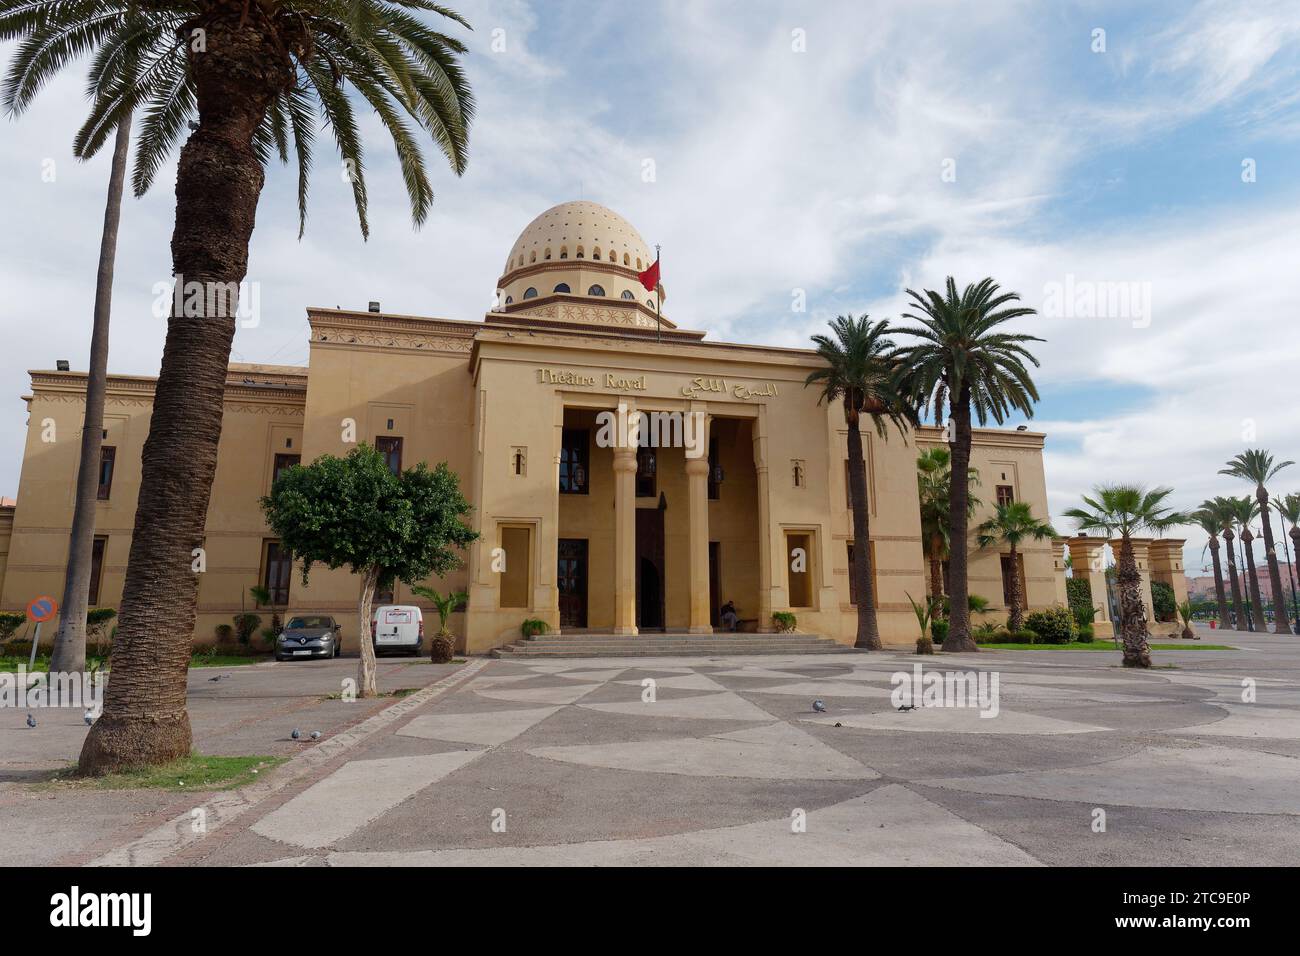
point(1016, 613)
point(1133, 613)
point(936, 566)
point(959, 636)
point(1238, 612)
point(1295, 572)
point(70, 642)
point(218, 181)
point(1218, 582)
point(1252, 580)
point(1280, 625)
point(868, 636)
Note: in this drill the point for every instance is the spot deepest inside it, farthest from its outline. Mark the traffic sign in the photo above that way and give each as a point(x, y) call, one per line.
point(42, 609)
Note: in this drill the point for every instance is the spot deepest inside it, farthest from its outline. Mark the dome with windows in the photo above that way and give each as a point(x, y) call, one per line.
point(580, 230)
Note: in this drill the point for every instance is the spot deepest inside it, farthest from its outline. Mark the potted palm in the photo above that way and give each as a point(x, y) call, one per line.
point(443, 645)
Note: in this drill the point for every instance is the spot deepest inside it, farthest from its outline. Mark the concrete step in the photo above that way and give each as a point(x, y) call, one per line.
point(668, 645)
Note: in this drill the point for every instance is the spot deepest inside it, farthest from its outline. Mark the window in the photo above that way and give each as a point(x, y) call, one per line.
point(798, 548)
point(517, 544)
point(579, 253)
point(564, 252)
point(1006, 495)
point(650, 303)
point(625, 259)
point(853, 581)
point(390, 446)
point(562, 287)
point(646, 466)
point(107, 458)
point(96, 568)
point(281, 463)
point(573, 462)
point(510, 300)
point(596, 290)
point(519, 460)
point(799, 472)
point(1006, 578)
point(627, 294)
point(276, 570)
point(530, 293)
point(715, 470)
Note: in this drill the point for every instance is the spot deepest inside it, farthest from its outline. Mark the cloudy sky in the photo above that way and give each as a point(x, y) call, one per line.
point(839, 151)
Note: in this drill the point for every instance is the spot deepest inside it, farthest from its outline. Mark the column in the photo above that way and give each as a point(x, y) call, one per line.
point(1167, 565)
point(1142, 557)
point(1058, 572)
point(546, 596)
point(1087, 562)
point(697, 480)
point(766, 546)
point(625, 525)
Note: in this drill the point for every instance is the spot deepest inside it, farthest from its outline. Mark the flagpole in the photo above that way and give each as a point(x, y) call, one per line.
point(658, 303)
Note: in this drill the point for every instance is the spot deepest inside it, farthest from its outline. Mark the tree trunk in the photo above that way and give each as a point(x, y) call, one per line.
point(1295, 573)
point(1280, 625)
point(1252, 580)
point(936, 567)
point(366, 684)
point(218, 180)
point(868, 637)
point(1133, 613)
point(69, 654)
point(959, 636)
point(1238, 612)
point(1218, 582)
point(1016, 613)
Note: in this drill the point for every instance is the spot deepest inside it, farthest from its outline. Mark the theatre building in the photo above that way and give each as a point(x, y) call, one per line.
point(745, 499)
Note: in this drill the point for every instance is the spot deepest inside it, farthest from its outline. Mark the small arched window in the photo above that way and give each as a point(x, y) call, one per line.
point(564, 252)
point(547, 254)
point(579, 253)
point(533, 257)
point(649, 302)
point(562, 287)
point(627, 294)
point(596, 290)
point(625, 259)
point(510, 300)
point(638, 263)
point(596, 254)
point(530, 293)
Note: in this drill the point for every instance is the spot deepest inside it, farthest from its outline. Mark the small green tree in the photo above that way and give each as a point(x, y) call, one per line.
point(1013, 523)
point(355, 512)
point(442, 645)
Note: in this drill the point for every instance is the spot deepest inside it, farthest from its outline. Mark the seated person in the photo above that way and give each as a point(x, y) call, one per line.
point(727, 613)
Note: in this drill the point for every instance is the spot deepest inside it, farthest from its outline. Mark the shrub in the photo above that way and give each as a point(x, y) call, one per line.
point(442, 647)
point(532, 627)
point(1078, 592)
point(1085, 634)
point(1054, 625)
point(269, 634)
point(993, 635)
point(1025, 636)
point(939, 631)
point(10, 621)
point(784, 621)
point(1162, 600)
point(924, 645)
point(225, 633)
point(246, 625)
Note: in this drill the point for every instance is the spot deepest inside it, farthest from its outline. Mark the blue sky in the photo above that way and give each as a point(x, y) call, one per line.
point(801, 146)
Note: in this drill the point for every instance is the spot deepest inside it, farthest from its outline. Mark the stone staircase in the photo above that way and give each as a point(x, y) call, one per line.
point(670, 644)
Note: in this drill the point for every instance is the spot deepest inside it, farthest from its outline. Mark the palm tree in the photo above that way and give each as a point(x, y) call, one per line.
point(861, 374)
point(1256, 466)
point(1013, 523)
point(1288, 507)
point(1244, 510)
point(933, 481)
point(1129, 510)
point(963, 361)
point(245, 80)
point(1222, 509)
point(1207, 519)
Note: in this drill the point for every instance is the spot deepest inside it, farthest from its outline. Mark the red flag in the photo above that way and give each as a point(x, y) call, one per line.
point(650, 278)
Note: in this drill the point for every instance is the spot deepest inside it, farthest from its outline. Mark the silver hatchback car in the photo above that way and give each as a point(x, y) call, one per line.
point(309, 635)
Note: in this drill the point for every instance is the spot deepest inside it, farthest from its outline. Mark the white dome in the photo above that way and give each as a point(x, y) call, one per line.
point(580, 230)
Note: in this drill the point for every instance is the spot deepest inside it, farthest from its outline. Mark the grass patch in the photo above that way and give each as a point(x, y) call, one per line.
point(190, 773)
point(399, 692)
point(9, 662)
point(1102, 646)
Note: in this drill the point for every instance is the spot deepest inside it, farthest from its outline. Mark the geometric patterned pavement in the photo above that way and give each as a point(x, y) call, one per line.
point(564, 762)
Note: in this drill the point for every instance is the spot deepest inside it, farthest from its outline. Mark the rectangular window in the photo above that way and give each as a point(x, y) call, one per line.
point(107, 458)
point(1006, 578)
point(390, 446)
point(518, 547)
point(277, 568)
point(96, 568)
point(853, 581)
point(799, 559)
point(715, 487)
point(281, 463)
point(1006, 495)
point(574, 465)
point(647, 464)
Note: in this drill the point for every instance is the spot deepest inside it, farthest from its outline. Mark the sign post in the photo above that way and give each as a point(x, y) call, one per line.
point(40, 610)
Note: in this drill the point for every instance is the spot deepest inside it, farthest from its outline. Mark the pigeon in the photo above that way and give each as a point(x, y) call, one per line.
point(315, 735)
point(31, 721)
point(213, 680)
point(296, 733)
point(907, 707)
point(819, 706)
point(88, 717)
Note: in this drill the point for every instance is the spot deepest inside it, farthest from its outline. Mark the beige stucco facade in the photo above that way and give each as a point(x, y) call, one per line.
point(514, 404)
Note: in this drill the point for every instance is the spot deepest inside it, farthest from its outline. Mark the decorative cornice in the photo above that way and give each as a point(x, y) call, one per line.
point(568, 307)
point(257, 387)
point(379, 330)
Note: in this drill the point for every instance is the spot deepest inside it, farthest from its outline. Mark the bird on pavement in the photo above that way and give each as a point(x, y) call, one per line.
point(907, 707)
point(296, 733)
point(819, 706)
point(31, 721)
point(315, 735)
point(88, 717)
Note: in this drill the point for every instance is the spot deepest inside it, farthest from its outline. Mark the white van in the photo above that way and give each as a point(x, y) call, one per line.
point(398, 627)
